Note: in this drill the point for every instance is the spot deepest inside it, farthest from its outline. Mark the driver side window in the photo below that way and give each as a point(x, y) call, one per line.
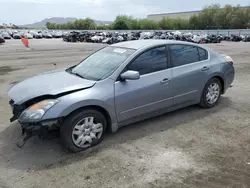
point(150, 61)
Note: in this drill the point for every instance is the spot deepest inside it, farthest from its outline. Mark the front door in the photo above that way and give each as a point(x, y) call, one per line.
point(151, 92)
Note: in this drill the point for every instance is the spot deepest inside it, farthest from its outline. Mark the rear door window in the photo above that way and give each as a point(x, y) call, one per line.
point(183, 54)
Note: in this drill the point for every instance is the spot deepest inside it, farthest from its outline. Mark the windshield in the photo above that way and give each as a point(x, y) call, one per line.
point(103, 63)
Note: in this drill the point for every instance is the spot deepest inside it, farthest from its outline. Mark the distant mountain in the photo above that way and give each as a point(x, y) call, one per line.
point(42, 24)
point(98, 22)
point(58, 20)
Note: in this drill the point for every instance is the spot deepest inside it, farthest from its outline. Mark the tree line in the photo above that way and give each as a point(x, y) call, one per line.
point(211, 17)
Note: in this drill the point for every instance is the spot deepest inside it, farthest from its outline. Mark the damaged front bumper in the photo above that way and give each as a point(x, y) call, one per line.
point(40, 129)
point(16, 110)
point(29, 129)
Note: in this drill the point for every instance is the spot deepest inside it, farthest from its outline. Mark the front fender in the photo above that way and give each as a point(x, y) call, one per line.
point(85, 103)
point(101, 95)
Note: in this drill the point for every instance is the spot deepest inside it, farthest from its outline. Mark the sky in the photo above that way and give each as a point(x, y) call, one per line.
point(30, 11)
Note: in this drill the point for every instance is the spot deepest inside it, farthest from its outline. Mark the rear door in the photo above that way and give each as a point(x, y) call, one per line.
point(151, 92)
point(191, 69)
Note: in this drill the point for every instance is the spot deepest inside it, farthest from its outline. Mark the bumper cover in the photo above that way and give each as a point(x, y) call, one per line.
point(34, 129)
point(30, 130)
point(40, 129)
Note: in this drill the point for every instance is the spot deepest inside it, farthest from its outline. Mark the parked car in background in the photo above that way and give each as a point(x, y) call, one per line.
point(120, 84)
point(6, 35)
point(1, 39)
point(65, 33)
point(37, 35)
point(22, 33)
point(72, 37)
point(47, 34)
point(28, 35)
point(17, 35)
point(56, 34)
point(10, 32)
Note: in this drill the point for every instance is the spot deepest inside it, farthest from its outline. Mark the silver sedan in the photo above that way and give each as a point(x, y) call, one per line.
point(119, 85)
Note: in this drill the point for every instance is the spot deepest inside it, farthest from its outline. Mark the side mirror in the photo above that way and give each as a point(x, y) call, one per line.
point(130, 75)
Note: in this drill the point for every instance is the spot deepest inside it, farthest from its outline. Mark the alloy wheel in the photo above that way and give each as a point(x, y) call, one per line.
point(213, 93)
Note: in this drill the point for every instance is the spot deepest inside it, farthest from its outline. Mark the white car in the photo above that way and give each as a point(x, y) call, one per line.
point(28, 35)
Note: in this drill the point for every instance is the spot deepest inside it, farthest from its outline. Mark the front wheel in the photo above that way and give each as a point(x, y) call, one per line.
point(211, 93)
point(83, 129)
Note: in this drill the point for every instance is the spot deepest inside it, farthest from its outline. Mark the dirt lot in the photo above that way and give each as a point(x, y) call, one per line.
point(191, 147)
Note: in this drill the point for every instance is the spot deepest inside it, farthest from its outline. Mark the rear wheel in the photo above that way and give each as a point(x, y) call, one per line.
point(82, 130)
point(211, 93)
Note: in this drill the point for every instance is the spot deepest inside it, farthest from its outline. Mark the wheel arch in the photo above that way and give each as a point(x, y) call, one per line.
point(222, 83)
point(203, 102)
point(221, 78)
point(97, 108)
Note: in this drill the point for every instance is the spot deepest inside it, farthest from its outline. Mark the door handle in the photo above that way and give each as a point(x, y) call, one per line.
point(165, 80)
point(205, 68)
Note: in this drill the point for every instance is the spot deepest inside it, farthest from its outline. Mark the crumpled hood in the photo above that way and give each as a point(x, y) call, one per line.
point(48, 83)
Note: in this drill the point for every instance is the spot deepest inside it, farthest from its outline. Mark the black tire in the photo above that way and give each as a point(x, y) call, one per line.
point(69, 124)
point(203, 102)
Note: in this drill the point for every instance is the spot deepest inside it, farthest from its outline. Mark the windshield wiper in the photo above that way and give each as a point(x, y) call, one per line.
point(75, 73)
point(78, 75)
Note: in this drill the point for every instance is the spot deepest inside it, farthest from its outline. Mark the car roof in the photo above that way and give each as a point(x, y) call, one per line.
point(139, 44)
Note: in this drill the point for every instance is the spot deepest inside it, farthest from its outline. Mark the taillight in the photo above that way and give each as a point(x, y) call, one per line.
point(229, 60)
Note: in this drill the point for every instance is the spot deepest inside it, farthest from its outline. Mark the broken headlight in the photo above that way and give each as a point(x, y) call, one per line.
point(35, 112)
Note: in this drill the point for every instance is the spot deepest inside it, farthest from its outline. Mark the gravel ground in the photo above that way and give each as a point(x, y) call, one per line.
point(191, 147)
